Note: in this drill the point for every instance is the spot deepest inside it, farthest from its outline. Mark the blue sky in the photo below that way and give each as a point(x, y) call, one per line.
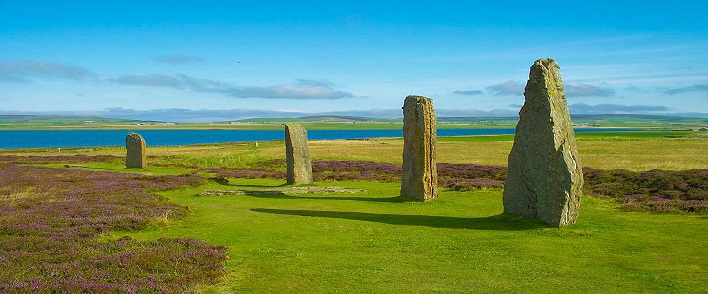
point(222, 60)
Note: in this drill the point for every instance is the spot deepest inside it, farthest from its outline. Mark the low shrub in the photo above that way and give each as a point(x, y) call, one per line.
point(654, 190)
point(71, 159)
point(50, 218)
point(685, 190)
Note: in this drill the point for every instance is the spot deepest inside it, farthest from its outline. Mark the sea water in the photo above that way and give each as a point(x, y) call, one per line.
point(96, 138)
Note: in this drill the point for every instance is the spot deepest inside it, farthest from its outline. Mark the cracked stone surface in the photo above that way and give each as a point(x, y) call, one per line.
point(545, 175)
point(420, 175)
point(135, 151)
point(297, 155)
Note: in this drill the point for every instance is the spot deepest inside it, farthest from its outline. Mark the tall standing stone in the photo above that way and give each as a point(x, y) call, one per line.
point(135, 151)
point(420, 176)
point(297, 155)
point(545, 178)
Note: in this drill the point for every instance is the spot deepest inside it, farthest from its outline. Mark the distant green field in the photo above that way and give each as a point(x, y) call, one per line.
point(7, 121)
point(619, 150)
point(602, 136)
point(342, 122)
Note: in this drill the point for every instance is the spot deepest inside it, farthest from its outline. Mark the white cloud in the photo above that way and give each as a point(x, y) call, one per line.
point(22, 71)
point(154, 80)
point(468, 92)
point(582, 108)
point(694, 88)
point(579, 89)
point(507, 88)
point(301, 89)
point(571, 89)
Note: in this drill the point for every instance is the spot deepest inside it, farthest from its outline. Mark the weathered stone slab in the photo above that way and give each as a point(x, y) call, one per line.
point(297, 155)
point(135, 151)
point(545, 177)
point(420, 176)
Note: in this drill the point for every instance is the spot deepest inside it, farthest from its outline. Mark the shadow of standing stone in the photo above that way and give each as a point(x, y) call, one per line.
point(135, 151)
point(545, 177)
point(297, 155)
point(420, 175)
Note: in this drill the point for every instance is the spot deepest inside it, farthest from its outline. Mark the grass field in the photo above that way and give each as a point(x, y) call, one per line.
point(376, 242)
point(633, 150)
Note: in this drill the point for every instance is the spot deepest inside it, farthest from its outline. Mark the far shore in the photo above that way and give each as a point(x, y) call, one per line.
point(307, 125)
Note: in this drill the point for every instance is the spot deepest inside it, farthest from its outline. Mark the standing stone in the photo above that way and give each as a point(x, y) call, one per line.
point(297, 155)
point(420, 176)
point(545, 178)
point(135, 155)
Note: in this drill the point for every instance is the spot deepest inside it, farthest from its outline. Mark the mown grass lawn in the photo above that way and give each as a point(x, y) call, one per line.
point(377, 242)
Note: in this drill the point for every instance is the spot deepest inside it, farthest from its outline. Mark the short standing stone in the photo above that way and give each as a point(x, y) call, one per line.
point(135, 151)
point(420, 176)
point(545, 178)
point(297, 155)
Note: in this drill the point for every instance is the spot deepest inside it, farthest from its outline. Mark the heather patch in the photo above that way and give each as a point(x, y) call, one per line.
point(663, 190)
point(471, 184)
point(468, 177)
point(69, 159)
point(49, 220)
point(351, 170)
point(654, 190)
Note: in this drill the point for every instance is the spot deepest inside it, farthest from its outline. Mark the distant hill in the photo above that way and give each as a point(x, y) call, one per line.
point(57, 120)
point(320, 119)
point(636, 116)
point(639, 120)
point(591, 120)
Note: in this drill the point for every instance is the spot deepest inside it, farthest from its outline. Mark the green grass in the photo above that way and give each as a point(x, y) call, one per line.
point(485, 138)
point(101, 166)
point(377, 242)
point(630, 150)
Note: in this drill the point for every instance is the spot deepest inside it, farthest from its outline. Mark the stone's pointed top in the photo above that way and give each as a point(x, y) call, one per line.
point(546, 62)
point(545, 77)
point(544, 66)
point(134, 135)
point(295, 127)
point(416, 98)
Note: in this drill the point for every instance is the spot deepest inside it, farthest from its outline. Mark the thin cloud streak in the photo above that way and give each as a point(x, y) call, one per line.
point(571, 89)
point(177, 59)
point(24, 70)
point(580, 89)
point(507, 88)
point(301, 89)
point(582, 108)
point(468, 92)
point(153, 80)
point(694, 88)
